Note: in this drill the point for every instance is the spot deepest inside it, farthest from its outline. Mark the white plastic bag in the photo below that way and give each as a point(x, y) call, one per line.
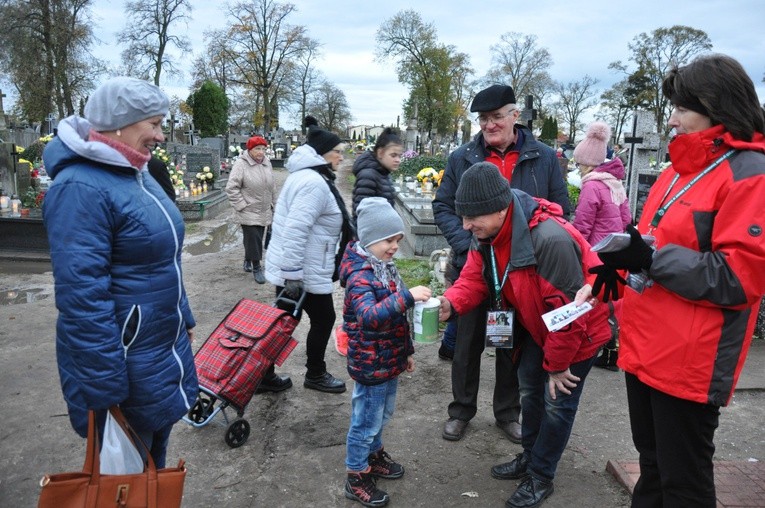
point(118, 454)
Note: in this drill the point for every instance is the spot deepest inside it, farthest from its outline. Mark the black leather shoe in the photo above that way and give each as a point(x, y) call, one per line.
point(454, 429)
point(274, 383)
point(247, 266)
point(512, 470)
point(445, 353)
point(257, 273)
point(325, 383)
point(530, 493)
point(512, 430)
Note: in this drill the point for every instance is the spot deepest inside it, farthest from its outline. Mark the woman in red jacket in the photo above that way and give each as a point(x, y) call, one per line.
point(691, 306)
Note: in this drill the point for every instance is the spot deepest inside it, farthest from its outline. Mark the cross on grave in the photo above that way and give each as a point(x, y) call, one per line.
point(632, 172)
point(190, 134)
point(173, 122)
point(1, 100)
point(528, 113)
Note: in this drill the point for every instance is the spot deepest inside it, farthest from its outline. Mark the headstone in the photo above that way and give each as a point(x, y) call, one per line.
point(23, 177)
point(193, 159)
point(7, 180)
point(644, 147)
point(3, 126)
point(412, 135)
point(216, 143)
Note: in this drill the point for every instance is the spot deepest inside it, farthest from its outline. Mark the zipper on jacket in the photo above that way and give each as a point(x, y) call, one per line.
point(131, 327)
point(180, 292)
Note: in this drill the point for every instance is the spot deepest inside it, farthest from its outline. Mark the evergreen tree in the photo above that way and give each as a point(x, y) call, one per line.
point(210, 109)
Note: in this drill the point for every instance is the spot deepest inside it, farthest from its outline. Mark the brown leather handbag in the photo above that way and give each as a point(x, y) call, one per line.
point(91, 489)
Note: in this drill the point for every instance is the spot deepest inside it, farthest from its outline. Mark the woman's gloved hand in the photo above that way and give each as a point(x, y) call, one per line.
point(606, 279)
point(637, 256)
point(293, 288)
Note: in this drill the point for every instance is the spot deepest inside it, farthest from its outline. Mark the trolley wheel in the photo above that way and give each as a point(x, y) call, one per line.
point(200, 411)
point(237, 433)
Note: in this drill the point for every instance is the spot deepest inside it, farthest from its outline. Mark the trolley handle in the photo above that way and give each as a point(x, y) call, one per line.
point(291, 305)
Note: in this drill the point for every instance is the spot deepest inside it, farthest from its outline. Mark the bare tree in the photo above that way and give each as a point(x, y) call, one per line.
point(574, 98)
point(214, 64)
point(46, 54)
point(655, 54)
point(262, 46)
point(307, 77)
point(519, 62)
point(150, 35)
point(461, 90)
point(330, 107)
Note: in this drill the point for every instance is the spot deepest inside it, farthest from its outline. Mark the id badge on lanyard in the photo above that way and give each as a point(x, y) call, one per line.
point(499, 321)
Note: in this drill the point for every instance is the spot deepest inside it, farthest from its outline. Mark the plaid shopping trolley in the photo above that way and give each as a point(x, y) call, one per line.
point(235, 357)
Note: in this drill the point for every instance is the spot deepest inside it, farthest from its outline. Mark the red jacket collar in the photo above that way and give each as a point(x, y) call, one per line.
point(693, 152)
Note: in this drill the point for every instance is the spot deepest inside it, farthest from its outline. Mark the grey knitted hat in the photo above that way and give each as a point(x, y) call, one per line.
point(376, 220)
point(123, 101)
point(482, 190)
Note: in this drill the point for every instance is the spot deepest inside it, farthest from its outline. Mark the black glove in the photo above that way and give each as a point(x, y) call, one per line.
point(606, 279)
point(293, 288)
point(637, 256)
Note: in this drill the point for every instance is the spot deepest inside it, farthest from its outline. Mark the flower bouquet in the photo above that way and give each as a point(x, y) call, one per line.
point(206, 176)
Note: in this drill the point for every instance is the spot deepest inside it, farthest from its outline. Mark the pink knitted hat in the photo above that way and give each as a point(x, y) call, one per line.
point(592, 150)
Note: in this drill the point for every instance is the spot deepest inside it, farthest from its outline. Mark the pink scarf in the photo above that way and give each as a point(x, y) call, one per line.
point(134, 157)
point(618, 195)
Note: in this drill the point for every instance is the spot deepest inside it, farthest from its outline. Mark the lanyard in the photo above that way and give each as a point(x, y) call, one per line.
point(497, 285)
point(663, 210)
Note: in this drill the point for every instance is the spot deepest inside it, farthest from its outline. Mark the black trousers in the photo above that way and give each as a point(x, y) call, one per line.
point(321, 311)
point(674, 438)
point(252, 237)
point(466, 371)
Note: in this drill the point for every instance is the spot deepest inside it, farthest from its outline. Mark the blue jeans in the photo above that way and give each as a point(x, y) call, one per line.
point(371, 408)
point(450, 335)
point(156, 441)
point(547, 423)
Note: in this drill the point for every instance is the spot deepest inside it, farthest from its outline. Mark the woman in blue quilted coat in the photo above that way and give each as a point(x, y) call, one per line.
point(124, 326)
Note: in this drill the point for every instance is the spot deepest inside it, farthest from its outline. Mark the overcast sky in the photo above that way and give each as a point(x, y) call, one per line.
point(582, 36)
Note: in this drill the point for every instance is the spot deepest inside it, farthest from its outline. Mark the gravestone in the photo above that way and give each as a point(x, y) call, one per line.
point(3, 126)
point(193, 159)
point(411, 137)
point(644, 148)
point(7, 180)
point(23, 177)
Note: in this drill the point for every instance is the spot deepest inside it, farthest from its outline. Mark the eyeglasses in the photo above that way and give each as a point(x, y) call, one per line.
point(495, 118)
point(338, 152)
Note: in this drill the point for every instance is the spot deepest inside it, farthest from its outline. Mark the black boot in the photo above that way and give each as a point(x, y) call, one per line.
point(257, 273)
point(247, 266)
point(362, 487)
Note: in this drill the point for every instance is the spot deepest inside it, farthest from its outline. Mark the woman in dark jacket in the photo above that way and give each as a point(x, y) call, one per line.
point(372, 169)
point(124, 324)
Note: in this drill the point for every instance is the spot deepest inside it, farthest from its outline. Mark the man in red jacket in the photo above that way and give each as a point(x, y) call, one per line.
point(528, 261)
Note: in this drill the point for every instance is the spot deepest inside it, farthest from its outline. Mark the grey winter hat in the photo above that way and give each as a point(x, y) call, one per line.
point(376, 220)
point(123, 101)
point(482, 190)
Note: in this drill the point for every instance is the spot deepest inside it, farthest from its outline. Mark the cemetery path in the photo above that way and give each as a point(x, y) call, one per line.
point(296, 449)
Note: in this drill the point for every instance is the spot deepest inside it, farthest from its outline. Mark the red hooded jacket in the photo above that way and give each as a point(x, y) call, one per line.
point(688, 334)
point(548, 261)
